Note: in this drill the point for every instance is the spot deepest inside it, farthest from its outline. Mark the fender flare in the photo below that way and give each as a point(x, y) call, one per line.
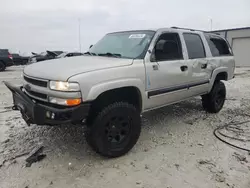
point(100, 88)
point(215, 73)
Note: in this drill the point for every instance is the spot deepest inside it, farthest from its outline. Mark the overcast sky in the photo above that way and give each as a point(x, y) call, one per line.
point(32, 25)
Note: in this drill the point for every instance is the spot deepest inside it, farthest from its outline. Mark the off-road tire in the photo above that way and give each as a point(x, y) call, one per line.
point(214, 101)
point(97, 135)
point(2, 66)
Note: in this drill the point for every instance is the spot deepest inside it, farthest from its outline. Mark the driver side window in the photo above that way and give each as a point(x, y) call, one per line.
point(168, 47)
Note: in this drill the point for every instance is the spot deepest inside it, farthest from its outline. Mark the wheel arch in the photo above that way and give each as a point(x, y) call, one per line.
point(103, 94)
point(129, 94)
point(133, 86)
point(219, 74)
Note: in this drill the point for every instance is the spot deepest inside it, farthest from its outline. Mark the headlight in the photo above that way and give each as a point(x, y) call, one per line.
point(64, 86)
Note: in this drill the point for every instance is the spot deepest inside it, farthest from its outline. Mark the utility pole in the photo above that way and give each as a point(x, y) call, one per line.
point(211, 24)
point(79, 33)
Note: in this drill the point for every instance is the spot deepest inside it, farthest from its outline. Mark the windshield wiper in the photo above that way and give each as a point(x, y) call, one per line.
point(110, 55)
point(89, 53)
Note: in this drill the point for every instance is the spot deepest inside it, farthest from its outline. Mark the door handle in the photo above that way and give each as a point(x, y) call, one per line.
point(204, 66)
point(155, 67)
point(184, 68)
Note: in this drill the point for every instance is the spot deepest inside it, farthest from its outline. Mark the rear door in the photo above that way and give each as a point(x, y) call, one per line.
point(197, 61)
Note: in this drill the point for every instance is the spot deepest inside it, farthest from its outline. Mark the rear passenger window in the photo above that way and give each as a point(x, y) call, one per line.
point(194, 45)
point(218, 46)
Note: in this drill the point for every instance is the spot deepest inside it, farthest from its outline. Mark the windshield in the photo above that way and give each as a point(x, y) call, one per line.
point(129, 44)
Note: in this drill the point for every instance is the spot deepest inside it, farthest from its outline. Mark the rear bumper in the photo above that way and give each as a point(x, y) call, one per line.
point(34, 112)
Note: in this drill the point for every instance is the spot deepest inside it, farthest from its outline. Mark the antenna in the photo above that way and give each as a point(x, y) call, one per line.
point(79, 34)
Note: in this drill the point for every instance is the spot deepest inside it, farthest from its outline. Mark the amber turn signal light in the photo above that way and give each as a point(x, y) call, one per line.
point(73, 102)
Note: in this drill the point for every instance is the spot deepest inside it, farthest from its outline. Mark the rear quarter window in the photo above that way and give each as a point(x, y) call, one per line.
point(218, 46)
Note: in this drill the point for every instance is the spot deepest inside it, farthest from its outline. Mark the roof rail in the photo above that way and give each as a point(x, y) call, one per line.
point(187, 29)
point(211, 32)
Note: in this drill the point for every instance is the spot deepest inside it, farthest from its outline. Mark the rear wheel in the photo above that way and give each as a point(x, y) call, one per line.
point(214, 101)
point(2, 66)
point(115, 130)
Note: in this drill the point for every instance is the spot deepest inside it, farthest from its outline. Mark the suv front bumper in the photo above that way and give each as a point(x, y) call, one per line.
point(34, 112)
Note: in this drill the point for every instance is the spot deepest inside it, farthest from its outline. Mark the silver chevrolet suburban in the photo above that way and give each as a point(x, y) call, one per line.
point(122, 76)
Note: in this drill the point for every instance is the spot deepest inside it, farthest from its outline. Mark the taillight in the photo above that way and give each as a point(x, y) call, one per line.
point(10, 56)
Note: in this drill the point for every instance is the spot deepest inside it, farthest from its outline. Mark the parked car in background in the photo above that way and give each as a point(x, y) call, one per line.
point(19, 60)
point(6, 59)
point(33, 53)
point(44, 56)
point(57, 52)
point(69, 54)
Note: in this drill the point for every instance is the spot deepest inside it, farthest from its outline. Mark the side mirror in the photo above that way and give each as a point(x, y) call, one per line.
point(90, 46)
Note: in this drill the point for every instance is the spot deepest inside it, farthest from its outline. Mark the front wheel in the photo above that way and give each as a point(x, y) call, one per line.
point(115, 130)
point(214, 101)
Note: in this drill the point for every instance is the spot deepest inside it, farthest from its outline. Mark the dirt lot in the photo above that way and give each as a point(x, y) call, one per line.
point(177, 148)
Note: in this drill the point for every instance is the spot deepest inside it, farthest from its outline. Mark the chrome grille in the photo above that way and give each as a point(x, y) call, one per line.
point(36, 82)
point(31, 88)
point(36, 94)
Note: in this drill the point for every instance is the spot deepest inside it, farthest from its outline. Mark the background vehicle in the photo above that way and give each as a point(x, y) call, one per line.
point(44, 56)
point(69, 54)
point(123, 75)
point(6, 59)
point(19, 60)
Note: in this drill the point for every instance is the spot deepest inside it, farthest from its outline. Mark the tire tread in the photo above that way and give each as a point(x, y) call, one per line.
point(208, 100)
point(91, 139)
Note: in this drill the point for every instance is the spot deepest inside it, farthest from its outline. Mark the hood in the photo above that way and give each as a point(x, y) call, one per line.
point(62, 69)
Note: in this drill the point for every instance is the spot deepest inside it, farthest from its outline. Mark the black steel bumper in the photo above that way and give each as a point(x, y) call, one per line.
point(34, 112)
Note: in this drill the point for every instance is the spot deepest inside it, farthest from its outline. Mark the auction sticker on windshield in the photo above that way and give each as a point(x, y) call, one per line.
point(137, 36)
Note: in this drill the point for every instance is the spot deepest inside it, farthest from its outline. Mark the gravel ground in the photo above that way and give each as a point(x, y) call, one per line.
point(177, 148)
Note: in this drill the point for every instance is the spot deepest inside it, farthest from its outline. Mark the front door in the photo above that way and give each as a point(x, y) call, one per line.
point(167, 74)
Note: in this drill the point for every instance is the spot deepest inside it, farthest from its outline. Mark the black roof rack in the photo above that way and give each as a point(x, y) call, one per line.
point(187, 29)
point(196, 30)
point(211, 32)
